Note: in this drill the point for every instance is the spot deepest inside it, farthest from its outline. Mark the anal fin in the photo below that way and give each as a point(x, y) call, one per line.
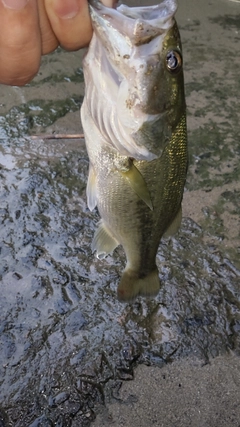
point(103, 241)
point(138, 184)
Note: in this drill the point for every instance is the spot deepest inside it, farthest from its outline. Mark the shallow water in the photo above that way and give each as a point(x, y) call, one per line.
point(66, 343)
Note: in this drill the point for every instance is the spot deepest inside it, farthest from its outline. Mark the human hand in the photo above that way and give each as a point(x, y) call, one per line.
point(31, 28)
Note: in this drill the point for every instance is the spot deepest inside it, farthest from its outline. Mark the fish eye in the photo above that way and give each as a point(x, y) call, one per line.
point(173, 61)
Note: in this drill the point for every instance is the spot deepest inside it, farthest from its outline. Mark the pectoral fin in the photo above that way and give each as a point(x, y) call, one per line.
point(137, 183)
point(91, 189)
point(103, 242)
point(175, 224)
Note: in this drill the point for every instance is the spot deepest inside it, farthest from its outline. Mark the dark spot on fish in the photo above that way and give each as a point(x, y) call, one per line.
point(129, 103)
point(149, 70)
point(144, 39)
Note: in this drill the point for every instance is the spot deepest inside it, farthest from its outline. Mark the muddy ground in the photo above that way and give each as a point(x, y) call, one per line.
point(70, 353)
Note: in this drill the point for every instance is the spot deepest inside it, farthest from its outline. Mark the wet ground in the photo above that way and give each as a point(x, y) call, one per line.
point(66, 343)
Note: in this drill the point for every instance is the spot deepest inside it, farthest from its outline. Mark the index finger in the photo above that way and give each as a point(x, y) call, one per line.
point(70, 21)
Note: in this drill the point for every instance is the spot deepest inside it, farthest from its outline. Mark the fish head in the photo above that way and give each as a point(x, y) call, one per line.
point(141, 60)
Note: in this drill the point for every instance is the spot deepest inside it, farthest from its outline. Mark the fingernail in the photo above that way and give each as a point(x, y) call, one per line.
point(110, 3)
point(15, 4)
point(107, 3)
point(66, 9)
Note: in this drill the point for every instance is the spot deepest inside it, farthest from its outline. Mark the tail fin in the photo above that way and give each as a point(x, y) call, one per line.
point(131, 285)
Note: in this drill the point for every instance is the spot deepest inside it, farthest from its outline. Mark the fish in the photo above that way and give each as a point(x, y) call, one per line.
point(134, 121)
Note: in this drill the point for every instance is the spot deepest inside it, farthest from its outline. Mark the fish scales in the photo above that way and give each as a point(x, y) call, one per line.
point(170, 172)
point(137, 168)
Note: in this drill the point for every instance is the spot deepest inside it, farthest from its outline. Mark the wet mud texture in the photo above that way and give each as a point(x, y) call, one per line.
point(66, 343)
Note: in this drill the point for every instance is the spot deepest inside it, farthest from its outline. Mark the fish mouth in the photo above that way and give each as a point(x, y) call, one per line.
point(139, 24)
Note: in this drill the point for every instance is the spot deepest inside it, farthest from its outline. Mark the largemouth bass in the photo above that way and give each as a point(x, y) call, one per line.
point(134, 121)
